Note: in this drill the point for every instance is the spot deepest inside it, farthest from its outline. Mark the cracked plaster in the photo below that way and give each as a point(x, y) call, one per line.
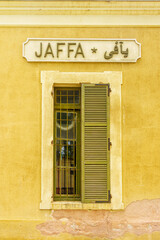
point(140, 217)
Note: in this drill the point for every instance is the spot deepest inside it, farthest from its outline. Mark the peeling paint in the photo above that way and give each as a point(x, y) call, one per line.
point(140, 217)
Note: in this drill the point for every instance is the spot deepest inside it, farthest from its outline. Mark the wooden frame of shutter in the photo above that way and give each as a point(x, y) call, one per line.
point(95, 157)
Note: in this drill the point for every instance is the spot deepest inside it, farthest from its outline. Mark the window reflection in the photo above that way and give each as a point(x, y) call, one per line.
point(66, 126)
point(66, 152)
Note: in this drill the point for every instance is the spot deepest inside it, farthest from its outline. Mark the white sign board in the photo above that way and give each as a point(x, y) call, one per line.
point(81, 50)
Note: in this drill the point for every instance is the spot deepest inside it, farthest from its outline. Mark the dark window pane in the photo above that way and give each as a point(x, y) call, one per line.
point(64, 125)
point(70, 142)
point(57, 155)
point(70, 116)
point(58, 115)
point(58, 129)
point(58, 92)
point(77, 93)
point(63, 99)
point(64, 92)
point(71, 181)
point(58, 99)
point(64, 129)
point(76, 99)
point(72, 156)
point(70, 129)
point(63, 155)
point(58, 181)
point(63, 181)
point(70, 92)
point(63, 142)
point(70, 99)
point(74, 131)
point(64, 116)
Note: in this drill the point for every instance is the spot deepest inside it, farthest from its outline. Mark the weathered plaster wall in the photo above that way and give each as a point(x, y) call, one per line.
point(141, 217)
point(139, 221)
point(20, 127)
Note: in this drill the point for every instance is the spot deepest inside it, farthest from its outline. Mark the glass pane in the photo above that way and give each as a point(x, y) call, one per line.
point(64, 129)
point(57, 181)
point(57, 155)
point(71, 181)
point(70, 129)
point(72, 156)
point(64, 125)
point(63, 143)
point(58, 92)
point(63, 181)
point(64, 92)
point(70, 116)
point(77, 93)
point(75, 176)
point(58, 99)
point(74, 159)
point(58, 128)
point(63, 155)
point(63, 99)
point(58, 115)
point(70, 99)
point(76, 99)
point(64, 115)
point(74, 130)
point(70, 142)
point(70, 92)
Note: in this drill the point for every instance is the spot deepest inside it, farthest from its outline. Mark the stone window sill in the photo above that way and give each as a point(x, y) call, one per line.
point(80, 205)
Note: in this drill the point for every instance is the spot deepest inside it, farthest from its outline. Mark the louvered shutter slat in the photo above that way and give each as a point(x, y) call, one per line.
point(95, 135)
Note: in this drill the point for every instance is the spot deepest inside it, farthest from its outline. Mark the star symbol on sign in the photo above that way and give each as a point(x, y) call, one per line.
point(94, 50)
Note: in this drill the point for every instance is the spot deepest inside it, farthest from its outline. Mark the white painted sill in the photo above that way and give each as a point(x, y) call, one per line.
point(79, 205)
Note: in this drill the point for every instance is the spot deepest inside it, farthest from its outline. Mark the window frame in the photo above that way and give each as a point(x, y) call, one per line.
point(50, 79)
point(76, 108)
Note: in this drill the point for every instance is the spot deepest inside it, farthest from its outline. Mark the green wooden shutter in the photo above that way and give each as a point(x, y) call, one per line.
point(95, 143)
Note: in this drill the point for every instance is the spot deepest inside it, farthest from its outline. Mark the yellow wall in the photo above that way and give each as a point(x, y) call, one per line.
point(20, 121)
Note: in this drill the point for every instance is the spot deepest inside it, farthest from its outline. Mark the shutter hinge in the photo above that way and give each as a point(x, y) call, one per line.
point(109, 144)
point(52, 92)
point(109, 90)
point(109, 196)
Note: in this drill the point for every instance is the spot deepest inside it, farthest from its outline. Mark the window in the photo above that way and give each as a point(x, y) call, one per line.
point(68, 159)
point(90, 183)
point(67, 144)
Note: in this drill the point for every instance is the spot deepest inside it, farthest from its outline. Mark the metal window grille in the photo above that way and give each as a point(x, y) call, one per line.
point(67, 184)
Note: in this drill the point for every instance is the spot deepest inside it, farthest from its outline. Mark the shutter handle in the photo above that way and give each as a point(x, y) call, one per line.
point(109, 144)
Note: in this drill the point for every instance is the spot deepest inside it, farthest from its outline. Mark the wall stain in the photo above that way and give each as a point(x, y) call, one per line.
point(139, 217)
